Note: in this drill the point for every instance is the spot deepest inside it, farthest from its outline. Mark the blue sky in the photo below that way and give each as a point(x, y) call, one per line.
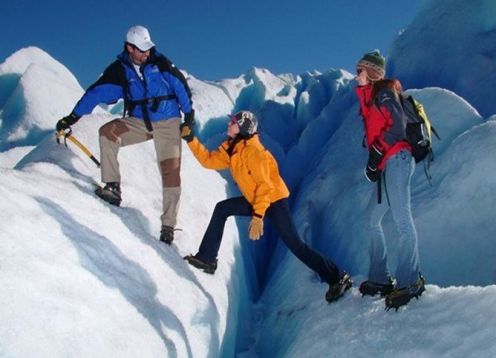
point(209, 39)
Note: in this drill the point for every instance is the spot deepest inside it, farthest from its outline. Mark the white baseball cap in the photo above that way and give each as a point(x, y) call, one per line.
point(139, 37)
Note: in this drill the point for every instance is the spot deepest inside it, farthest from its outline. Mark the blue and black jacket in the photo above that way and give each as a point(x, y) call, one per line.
point(161, 95)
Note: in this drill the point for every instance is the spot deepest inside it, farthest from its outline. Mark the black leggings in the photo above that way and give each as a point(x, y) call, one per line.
point(281, 218)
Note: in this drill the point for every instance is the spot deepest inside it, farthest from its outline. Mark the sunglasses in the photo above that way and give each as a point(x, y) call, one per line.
point(359, 70)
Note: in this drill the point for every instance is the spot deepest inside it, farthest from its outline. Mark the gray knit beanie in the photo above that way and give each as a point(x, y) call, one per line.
point(375, 65)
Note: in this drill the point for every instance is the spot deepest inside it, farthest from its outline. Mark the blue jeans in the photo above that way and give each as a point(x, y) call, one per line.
point(281, 218)
point(398, 174)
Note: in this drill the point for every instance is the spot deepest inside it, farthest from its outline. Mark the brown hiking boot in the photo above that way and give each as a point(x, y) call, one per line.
point(337, 290)
point(111, 193)
point(167, 234)
point(208, 267)
point(371, 288)
point(401, 296)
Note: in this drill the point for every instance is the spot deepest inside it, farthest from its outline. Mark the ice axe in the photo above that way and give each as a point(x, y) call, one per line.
point(68, 135)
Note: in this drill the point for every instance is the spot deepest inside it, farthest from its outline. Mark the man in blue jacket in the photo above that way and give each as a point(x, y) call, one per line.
point(155, 93)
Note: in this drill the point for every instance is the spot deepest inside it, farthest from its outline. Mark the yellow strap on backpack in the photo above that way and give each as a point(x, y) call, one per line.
point(421, 112)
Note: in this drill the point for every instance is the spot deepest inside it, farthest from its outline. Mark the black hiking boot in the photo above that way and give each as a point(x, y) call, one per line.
point(401, 296)
point(371, 288)
point(167, 234)
point(111, 193)
point(337, 290)
point(208, 267)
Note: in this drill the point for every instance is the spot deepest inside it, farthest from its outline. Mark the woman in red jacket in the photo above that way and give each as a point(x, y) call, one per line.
point(255, 171)
point(390, 159)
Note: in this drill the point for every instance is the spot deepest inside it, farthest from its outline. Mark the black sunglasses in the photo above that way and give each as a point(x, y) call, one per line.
point(359, 70)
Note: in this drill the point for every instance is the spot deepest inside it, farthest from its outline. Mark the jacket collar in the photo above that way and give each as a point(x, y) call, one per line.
point(364, 94)
point(235, 145)
point(124, 58)
point(253, 141)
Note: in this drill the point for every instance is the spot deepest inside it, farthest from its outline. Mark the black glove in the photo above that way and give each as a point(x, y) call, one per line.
point(189, 118)
point(67, 122)
point(375, 156)
point(187, 132)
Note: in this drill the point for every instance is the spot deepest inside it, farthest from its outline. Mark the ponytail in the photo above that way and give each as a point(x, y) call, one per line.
point(387, 83)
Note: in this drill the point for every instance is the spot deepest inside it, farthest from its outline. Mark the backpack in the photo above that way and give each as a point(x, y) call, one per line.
point(418, 129)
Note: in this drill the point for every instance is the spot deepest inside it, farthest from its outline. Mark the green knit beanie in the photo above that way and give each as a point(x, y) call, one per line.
point(375, 65)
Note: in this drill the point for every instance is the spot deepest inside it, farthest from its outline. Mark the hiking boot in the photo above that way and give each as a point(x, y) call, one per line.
point(208, 267)
point(401, 296)
point(337, 290)
point(111, 193)
point(167, 234)
point(371, 288)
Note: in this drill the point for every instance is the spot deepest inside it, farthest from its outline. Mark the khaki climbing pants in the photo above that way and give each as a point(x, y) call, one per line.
point(166, 136)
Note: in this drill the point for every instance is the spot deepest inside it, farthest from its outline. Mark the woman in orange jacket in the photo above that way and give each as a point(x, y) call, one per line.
point(256, 173)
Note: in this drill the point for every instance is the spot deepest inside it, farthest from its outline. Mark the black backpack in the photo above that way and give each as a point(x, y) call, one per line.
point(418, 134)
point(418, 129)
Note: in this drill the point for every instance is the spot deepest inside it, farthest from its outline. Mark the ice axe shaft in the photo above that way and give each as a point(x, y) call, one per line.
point(84, 149)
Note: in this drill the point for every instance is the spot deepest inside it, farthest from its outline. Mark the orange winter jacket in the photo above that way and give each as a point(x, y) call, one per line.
point(252, 167)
